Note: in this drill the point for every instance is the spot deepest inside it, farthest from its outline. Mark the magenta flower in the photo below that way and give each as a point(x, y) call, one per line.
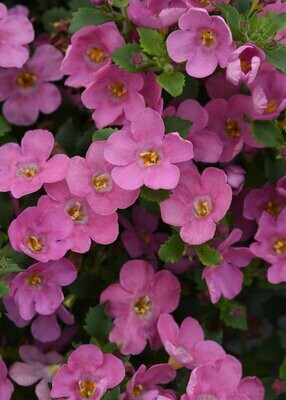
point(243, 64)
point(88, 374)
point(87, 224)
point(270, 245)
point(136, 304)
point(207, 4)
point(28, 91)
point(226, 278)
point(152, 92)
point(23, 170)
point(43, 235)
point(39, 288)
point(186, 345)
point(140, 238)
point(219, 88)
point(235, 177)
point(203, 41)
point(91, 178)
point(36, 368)
point(16, 31)
point(6, 387)
point(144, 384)
point(156, 13)
point(143, 155)
point(197, 203)
point(89, 51)
point(114, 94)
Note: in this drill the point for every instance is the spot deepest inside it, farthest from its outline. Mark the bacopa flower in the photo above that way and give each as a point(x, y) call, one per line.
point(87, 224)
point(144, 384)
point(186, 345)
point(91, 179)
point(114, 94)
point(203, 41)
point(136, 303)
point(35, 367)
point(6, 387)
point(39, 288)
point(41, 234)
point(88, 374)
point(197, 203)
point(143, 155)
point(23, 170)
point(28, 91)
point(16, 31)
point(89, 51)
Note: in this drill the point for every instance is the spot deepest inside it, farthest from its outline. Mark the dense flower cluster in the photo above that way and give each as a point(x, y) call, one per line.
point(148, 192)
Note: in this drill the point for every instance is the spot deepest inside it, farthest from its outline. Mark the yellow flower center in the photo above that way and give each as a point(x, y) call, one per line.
point(142, 306)
point(245, 66)
point(202, 208)
point(117, 89)
point(34, 244)
point(271, 107)
point(273, 207)
point(35, 280)
point(26, 79)
point(95, 54)
point(279, 246)
point(207, 37)
point(100, 182)
point(149, 158)
point(232, 128)
point(86, 388)
point(75, 212)
point(28, 172)
point(137, 390)
point(205, 2)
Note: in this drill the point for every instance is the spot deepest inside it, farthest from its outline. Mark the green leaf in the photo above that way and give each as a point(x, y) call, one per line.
point(74, 5)
point(109, 348)
point(65, 133)
point(124, 57)
point(176, 124)
point(267, 133)
point(172, 82)
point(88, 16)
point(233, 314)
point(208, 256)
point(154, 195)
point(7, 265)
point(152, 42)
point(282, 370)
point(54, 15)
point(97, 323)
point(277, 22)
point(232, 18)
point(113, 394)
point(120, 3)
point(4, 289)
point(277, 57)
point(172, 250)
point(4, 126)
point(102, 134)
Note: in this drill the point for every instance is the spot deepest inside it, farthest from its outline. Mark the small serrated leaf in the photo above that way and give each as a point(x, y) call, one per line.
point(176, 124)
point(53, 15)
point(88, 16)
point(97, 323)
point(154, 195)
point(277, 57)
point(233, 314)
point(267, 133)
point(102, 134)
point(113, 394)
point(208, 256)
point(7, 265)
point(172, 250)
point(4, 289)
point(120, 3)
point(4, 126)
point(172, 82)
point(124, 57)
point(152, 42)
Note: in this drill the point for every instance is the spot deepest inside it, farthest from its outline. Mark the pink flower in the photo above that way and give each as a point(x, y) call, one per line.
point(243, 64)
point(197, 203)
point(89, 51)
point(250, 388)
point(270, 245)
point(91, 179)
point(207, 4)
point(143, 155)
point(226, 278)
point(6, 387)
point(203, 41)
point(235, 177)
point(114, 94)
point(88, 374)
point(36, 368)
point(152, 92)
point(144, 384)
point(219, 88)
point(28, 91)
point(23, 170)
point(43, 235)
point(136, 304)
point(186, 345)
point(87, 224)
point(39, 288)
point(16, 31)
point(155, 13)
